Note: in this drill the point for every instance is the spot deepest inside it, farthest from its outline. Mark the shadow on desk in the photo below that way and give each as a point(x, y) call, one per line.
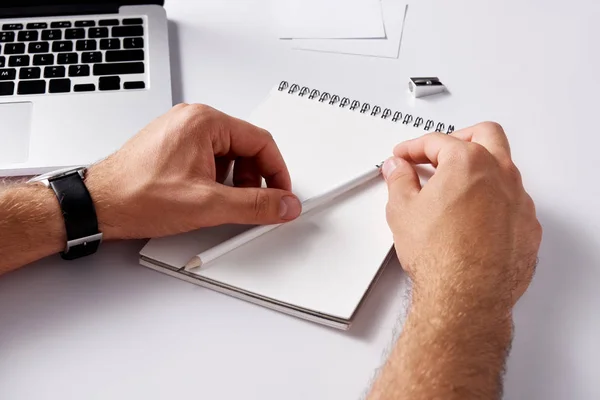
point(58, 295)
point(550, 320)
point(383, 300)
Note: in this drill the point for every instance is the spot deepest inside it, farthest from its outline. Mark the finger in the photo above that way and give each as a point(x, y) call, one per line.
point(488, 134)
point(245, 173)
point(402, 180)
point(255, 206)
point(223, 166)
point(241, 139)
point(427, 149)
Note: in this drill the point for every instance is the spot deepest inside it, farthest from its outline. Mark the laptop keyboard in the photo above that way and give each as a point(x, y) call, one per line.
point(71, 56)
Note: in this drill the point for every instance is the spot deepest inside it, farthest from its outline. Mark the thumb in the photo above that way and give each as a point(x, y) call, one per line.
point(402, 180)
point(257, 206)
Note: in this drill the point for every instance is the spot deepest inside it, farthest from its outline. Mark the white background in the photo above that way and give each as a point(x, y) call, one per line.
point(106, 328)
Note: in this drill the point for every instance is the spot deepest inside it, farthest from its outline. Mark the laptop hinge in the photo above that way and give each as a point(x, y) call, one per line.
point(59, 10)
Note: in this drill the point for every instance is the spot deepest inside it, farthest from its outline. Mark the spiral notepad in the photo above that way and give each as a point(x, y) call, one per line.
point(365, 108)
point(320, 266)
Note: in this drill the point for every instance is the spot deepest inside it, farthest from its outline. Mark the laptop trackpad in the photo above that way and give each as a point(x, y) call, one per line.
point(15, 130)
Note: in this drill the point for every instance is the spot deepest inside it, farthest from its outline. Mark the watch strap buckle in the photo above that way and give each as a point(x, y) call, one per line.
point(83, 241)
point(80, 247)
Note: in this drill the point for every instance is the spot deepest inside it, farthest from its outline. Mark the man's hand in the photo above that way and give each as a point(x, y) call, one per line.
point(469, 240)
point(169, 178)
point(166, 180)
point(472, 230)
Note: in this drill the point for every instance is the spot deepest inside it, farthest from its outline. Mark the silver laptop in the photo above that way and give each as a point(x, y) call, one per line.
point(77, 79)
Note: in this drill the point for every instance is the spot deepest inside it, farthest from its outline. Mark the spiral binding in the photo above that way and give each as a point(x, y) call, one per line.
point(343, 102)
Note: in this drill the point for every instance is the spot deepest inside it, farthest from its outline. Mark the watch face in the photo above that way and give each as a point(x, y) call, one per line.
point(58, 173)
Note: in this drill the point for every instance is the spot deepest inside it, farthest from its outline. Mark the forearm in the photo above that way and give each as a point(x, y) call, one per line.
point(31, 225)
point(449, 349)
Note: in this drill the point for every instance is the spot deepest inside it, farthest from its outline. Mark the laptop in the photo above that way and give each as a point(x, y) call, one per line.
point(77, 79)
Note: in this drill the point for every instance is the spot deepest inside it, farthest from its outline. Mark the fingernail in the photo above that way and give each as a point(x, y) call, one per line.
point(388, 167)
point(289, 207)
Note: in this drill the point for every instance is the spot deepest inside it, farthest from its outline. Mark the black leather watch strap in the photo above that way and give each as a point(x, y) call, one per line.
point(79, 214)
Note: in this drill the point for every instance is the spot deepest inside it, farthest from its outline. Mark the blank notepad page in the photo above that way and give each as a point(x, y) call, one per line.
point(325, 260)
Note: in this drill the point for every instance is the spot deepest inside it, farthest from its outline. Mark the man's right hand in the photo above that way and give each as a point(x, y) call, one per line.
point(471, 232)
point(469, 240)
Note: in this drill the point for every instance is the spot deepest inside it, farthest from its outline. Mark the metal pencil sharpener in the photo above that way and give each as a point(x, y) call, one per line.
point(421, 87)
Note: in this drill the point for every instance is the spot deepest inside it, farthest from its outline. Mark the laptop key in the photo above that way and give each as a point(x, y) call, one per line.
point(31, 87)
point(133, 43)
point(110, 44)
point(109, 83)
point(52, 34)
point(97, 32)
point(2, 61)
point(134, 85)
point(108, 22)
point(119, 68)
point(38, 47)
point(8, 74)
point(27, 36)
point(14, 48)
point(59, 85)
point(37, 25)
point(84, 23)
point(30, 73)
point(18, 61)
point(124, 55)
point(54, 72)
point(58, 47)
point(79, 70)
point(85, 45)
point(7, 88)
point(67, 58)
point(60, 24)
point(12, 27)
point(91, 57)
point(84, 87)
point(123, 31)
point(77, 33)
point(133, 21)
point(7, 37)
point(43, 59)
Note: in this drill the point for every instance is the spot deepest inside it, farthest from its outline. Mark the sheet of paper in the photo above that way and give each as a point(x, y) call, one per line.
point(328, 18)
point(394, 15)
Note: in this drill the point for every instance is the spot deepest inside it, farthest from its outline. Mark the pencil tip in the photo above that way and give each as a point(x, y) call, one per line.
point(194, 263)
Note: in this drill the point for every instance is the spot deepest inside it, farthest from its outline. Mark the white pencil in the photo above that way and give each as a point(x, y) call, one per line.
point(225, 247)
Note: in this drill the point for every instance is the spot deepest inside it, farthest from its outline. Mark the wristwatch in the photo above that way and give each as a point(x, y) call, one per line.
point(79, 213)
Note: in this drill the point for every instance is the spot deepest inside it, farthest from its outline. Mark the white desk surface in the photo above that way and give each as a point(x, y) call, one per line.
point(106, 328)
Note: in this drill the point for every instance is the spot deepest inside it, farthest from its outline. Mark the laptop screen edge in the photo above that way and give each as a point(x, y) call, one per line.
point(41, 8)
